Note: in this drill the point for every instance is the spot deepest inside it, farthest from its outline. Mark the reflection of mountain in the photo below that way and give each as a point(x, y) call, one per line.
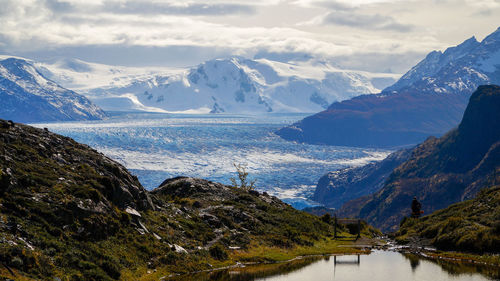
point(232, 85)
point(428, 100)
point(440, 171)
point(28, 96)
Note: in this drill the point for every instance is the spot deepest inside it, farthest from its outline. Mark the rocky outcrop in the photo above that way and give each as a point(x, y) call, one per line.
point(37, 158)
point(440, 171)
point(338, 187)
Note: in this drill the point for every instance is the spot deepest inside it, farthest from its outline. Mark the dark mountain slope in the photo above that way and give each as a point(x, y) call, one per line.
point(338, 187)
point(430, 99)
point(441, 171)
point(385, 120)
point(27, 96)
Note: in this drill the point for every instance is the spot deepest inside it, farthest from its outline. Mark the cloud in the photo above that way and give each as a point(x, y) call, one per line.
point(332, 5)
point(375, 22)
point(349, 30)
point(155, 8)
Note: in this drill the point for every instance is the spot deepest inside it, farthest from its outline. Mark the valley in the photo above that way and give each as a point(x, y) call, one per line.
point(249, 140)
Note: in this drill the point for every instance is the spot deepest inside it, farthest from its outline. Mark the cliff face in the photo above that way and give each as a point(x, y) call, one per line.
point(68, 211)
point(338, 187)
point(441, 171)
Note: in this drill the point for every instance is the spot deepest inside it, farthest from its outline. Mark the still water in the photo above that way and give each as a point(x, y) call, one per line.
point(377, 266)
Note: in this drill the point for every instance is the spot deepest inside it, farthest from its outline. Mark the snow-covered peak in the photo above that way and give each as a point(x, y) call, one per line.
point(26, 95)
point(231, 85)
point(493, 38)
point(458, 69)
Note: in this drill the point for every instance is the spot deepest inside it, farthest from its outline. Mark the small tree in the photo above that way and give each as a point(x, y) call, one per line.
point(241, 170)
point(326, 218)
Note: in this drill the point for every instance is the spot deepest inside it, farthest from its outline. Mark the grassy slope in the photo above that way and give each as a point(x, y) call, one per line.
point(471, 226)
point(62, 214)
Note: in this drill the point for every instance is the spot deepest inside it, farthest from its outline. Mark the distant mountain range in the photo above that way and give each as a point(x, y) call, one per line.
point(229, 85)
point(428, 100)
point(26, 95)
point(440, 171)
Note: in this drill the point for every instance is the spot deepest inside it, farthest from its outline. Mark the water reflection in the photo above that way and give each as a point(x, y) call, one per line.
point(378, 266)
point(414, 261)
point(342, 260)
point(454, 268)
point(251, 273)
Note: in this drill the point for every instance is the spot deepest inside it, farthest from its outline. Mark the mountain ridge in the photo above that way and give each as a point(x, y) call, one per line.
point(230, 85)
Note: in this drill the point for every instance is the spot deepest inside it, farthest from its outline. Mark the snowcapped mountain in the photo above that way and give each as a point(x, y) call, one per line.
point(458, 69)
point(231, 85)
point(28, 96)
point(428, 100)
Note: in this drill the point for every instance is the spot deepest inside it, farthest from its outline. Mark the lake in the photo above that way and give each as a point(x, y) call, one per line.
point(377, 266)
point(159, 146)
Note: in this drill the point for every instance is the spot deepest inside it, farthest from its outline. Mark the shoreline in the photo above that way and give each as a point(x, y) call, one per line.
point(271, 256)
point(246, 264)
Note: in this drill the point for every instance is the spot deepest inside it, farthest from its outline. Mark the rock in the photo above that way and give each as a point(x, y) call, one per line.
point(132, 211)
point(179, 249)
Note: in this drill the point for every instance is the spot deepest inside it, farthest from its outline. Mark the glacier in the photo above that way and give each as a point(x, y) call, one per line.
point(157, 146)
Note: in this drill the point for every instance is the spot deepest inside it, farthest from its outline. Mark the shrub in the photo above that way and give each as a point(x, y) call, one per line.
point(243, 178)
point(326, 218)
point(218, 252)
point(16, 262)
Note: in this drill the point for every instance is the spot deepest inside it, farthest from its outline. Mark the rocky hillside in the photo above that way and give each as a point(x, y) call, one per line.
point(430, 99)
point(338, 187)
point(440, 171)
point(28, 96)
point(68, 211)
point(472, 225)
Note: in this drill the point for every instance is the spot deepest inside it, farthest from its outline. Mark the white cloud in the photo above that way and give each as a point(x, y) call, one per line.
point(359, 32)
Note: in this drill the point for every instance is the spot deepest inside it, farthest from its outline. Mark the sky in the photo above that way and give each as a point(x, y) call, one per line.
point(371, 35)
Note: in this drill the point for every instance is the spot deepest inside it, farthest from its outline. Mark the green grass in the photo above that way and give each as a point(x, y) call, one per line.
point(471, 226)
